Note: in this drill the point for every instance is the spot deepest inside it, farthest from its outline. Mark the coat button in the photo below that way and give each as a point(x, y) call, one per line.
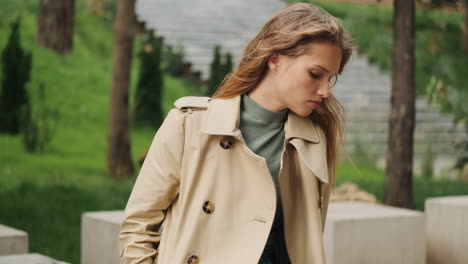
point(192, 260)
point(208, 207)
point(225, 144)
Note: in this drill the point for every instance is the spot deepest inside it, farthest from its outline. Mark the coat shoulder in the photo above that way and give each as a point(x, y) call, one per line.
point(193, 103)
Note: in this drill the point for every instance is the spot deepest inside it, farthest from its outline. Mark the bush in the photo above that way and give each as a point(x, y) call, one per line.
point(40, 123)
point(174, 60)
point(148, 109)
point(16, 68)
point(219, 69)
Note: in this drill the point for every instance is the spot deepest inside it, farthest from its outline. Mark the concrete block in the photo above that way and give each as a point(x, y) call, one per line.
point(13, 241)
point(29, 259)
point(99, 237)
point(361, 233)
point(447, 230)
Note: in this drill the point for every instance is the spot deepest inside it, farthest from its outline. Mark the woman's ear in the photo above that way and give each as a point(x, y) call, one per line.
point(273, 62)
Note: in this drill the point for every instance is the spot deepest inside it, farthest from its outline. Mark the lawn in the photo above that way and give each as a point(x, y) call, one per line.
point(45, 194)
point(373, 180)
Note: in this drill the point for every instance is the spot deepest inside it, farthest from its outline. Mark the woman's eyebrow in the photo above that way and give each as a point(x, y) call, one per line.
point(321, 67)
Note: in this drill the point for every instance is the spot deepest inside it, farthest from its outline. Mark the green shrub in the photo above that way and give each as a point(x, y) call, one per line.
point(174, 58)
point(148, 95)
point(219, 68)
point(215, 71)
point(40, 123)
point(228, 64)
point(427, 170)
point(16, 68)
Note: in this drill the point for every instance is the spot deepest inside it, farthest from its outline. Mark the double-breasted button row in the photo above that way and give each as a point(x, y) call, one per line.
point(193, 260)
point(208, 207)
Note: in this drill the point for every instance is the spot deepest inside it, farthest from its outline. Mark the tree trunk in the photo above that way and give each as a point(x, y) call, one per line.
point(55, 25)
point(119, 162)
point(398, 187)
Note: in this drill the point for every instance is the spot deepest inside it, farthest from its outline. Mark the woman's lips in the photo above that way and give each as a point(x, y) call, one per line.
point(314, 103)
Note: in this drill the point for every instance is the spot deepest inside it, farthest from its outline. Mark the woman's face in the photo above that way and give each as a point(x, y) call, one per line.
point(301, 83)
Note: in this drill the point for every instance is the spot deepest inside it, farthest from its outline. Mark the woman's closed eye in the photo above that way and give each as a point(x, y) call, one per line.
point(315, 76)
point(332, 80)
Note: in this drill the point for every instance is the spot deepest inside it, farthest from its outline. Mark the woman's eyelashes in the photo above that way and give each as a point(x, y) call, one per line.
point(315, 76)
point(331, 81)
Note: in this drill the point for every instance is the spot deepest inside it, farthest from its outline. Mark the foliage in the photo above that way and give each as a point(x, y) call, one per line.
point(148, 109)
point(427, 162)
point(228, 64)
point(40, 123)
point(215, 71)
point(16, 68)
point(174, 58)
point(219, 68)
point(103, 8)
point(363, 154)
point(461, 154)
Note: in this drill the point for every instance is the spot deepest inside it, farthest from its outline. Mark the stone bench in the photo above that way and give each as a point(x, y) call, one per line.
point(28, 259)
point(447, 229)
point(99, 237)
point(357, 232)
point(13, 241)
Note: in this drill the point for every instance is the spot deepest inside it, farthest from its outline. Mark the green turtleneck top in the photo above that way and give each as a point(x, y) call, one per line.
point(263, 133)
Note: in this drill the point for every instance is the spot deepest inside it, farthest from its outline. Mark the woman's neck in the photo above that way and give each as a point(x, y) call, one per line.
point(264, 95)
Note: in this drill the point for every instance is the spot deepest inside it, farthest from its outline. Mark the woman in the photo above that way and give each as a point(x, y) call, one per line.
point(245, 177)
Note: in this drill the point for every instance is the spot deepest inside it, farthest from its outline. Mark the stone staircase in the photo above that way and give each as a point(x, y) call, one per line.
point(363, 89)
point(365, 94)
point(199, 25)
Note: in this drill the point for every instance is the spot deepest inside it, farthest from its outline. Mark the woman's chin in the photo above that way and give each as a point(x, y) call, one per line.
point(303, 112)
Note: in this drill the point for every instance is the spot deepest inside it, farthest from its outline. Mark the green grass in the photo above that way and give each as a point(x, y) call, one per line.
point(45, 194)
point(373, 180)
point(438, 47)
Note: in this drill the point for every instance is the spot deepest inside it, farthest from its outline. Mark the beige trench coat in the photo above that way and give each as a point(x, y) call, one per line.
point(217, 198)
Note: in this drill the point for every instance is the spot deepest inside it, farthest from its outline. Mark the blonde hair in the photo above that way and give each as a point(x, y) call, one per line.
point(287, 32)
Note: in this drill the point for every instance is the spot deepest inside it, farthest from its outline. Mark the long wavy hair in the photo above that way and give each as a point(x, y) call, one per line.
point(288, 32)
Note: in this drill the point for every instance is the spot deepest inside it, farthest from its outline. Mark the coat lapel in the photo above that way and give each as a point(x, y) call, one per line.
point(223, 118)
point(310, 142)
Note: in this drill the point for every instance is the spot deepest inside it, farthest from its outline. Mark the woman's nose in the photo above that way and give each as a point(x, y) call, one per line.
point(324, 90)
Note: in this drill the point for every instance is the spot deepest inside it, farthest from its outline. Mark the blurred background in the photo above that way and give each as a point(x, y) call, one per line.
point(83, 89)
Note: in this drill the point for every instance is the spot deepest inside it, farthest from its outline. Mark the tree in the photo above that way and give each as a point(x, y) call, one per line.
point(174, 58)
point(219, 69)
point(215, 71)
point(55, 25)
point(16, 68)
point(227, 65)
point(398, 185)
point(39, 122)
point(148, 107)
point(119, 162)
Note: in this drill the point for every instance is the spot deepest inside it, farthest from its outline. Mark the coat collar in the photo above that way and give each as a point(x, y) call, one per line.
point(223, 118)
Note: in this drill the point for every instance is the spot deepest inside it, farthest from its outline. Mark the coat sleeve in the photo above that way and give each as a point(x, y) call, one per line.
point(157, 185)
